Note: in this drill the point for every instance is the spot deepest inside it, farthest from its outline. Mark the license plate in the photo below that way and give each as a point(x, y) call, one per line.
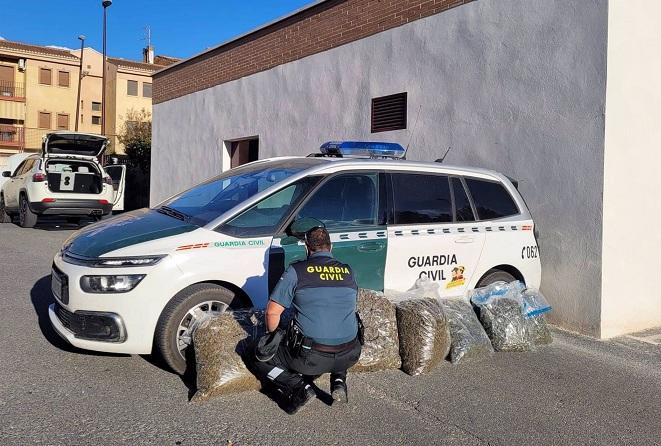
point(56, 285)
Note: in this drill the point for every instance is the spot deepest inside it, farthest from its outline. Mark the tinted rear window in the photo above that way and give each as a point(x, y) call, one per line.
point(421, 198)
point(491, 199)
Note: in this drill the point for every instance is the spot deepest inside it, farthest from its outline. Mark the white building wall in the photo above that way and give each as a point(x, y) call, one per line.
point(631, 297)
point(513, 85)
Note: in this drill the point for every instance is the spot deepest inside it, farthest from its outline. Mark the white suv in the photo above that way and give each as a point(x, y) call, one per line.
point(66, 179)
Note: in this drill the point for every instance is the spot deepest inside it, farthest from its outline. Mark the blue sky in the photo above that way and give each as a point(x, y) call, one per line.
point(179, 28)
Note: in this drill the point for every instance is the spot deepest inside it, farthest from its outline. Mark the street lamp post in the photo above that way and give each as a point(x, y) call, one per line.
point(80, 79)
point(105, 4)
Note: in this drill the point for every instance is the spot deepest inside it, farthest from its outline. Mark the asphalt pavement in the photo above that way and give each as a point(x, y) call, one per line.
point(577, 391)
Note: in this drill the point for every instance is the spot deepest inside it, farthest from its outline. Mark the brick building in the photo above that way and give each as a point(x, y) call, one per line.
point(560, 94)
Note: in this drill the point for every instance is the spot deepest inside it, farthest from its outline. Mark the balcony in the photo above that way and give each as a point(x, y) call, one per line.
point(12, 91)
point(11, 136)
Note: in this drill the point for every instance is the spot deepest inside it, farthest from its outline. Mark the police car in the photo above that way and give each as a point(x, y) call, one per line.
point(140, 281)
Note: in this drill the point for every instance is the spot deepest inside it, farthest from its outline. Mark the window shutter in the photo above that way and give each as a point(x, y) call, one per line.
point(132, 88)
point(45, 76)
point(63, 79)
point(62, 121)
point(389, 113)
point(44, 120)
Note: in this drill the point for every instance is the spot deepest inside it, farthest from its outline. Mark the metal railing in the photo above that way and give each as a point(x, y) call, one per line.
point(12, 90)
point(11, 136)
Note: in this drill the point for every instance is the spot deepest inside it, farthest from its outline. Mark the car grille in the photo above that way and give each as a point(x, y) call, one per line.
point(66, 317)
point(91, 325)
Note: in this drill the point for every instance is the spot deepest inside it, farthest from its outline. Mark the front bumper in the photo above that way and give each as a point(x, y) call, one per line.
point(90, 325)
point(71, 207)
point(136, 311)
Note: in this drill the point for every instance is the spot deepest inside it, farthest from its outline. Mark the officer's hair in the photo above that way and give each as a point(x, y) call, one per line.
point(318, 240)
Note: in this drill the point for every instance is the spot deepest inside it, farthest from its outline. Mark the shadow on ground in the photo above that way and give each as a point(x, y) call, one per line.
point(58, 223)
point(42, 296)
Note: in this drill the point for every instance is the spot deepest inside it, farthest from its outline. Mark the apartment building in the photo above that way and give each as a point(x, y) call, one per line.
point(39, 90)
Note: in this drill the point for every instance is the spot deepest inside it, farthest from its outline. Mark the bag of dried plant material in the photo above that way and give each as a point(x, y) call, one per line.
point(381, 348)
point(424, 336)
point(539, 331)
point(468, 338)
point(220, 342)
point(506, 326)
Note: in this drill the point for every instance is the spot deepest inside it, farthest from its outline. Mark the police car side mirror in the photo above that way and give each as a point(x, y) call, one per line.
point(303, 225)
point(289, 240)
point(6, 174)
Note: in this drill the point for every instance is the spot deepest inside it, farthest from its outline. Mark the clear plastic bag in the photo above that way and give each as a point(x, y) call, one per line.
point(484, 295)
point(424, 335)
point(533, 303)
point(511, 315)
point(381, 349)
point(503, 321)
point(220, 343)
point(468, 338)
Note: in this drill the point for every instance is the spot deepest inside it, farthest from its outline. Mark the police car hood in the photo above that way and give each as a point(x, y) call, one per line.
point(125, 230)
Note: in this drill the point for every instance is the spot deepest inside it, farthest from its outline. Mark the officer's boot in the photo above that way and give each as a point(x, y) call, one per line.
point(299, 397)
point(338, 386)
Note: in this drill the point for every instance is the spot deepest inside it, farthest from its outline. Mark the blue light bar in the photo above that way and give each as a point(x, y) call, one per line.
point(363, 149)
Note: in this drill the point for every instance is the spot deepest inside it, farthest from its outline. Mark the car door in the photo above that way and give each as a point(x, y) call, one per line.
point(117, 173)
point(432, 233)
point(351, 205)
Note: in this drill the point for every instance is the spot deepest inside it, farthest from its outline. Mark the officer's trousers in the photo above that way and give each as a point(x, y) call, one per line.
point(286, 370)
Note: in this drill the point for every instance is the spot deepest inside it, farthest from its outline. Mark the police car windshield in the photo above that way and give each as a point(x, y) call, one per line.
point(204, 203)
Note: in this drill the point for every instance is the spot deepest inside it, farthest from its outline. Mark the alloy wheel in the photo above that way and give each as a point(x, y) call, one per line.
point(192, 318)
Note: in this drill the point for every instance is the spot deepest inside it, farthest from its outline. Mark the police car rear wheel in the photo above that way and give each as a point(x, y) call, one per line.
point(493, 276)
point(173, 337)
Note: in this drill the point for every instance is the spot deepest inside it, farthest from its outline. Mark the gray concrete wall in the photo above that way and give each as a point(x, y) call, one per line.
point(512, 85)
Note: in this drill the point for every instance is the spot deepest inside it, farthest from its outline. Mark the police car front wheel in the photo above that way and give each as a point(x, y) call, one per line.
point(173, 337)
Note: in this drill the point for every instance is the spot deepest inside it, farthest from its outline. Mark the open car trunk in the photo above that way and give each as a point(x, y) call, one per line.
point(73, 176)
point(72, 143)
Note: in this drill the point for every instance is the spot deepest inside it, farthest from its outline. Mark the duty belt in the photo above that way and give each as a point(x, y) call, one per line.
point(330, 348)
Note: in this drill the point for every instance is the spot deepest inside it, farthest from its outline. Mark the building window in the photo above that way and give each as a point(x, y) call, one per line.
point(146, 90)
point(63, 79)
point(96, 120)
point(96, 106)
point(132, 88)
point(62, 121)
point(44, 120)
point(45, 76)
point(389, 113)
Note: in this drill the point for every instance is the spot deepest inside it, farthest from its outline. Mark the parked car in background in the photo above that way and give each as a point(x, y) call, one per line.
point(12, 163)
point(66, 179)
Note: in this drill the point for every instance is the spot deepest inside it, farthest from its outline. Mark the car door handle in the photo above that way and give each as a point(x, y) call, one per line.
point(370, 247)
point(465, 239)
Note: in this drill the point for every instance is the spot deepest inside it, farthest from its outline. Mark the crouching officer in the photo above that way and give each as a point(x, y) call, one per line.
point(323, 335)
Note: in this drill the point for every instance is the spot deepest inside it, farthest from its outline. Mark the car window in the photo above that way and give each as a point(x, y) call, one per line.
point(462, 206)
point(345, 200)
point(27, 165)
point(18, 170)
point(420, 198)
point(265, 217)
point(115, 172)
point(209, 200)
point(491, 199)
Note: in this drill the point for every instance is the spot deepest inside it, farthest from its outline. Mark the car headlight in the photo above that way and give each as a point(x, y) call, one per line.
point(110, 284)
point(129, 261)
